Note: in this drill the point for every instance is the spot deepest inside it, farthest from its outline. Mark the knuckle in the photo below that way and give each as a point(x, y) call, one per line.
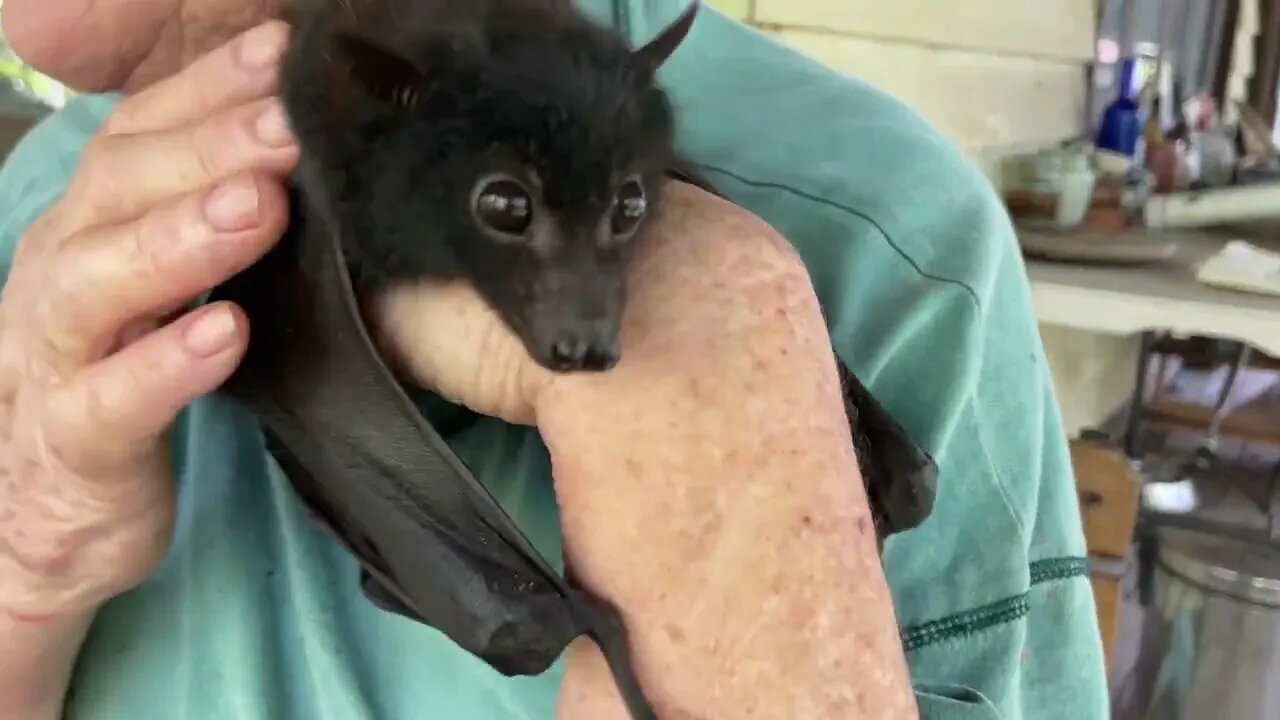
point(38, 237)
point(122, 118)
point(67, 287)
point(99, 145)
point(98, 404)
point(60, 313)
point(164, 244)
point(98, 187)
point(47, 553)
point(55, 342)
point(75, 423)
point(44, 539)
point(205, 88)
point(10, 372)
point(51, 445)
point(208, 142)
point(145, 244)
point(6, 416)
point(27, 249)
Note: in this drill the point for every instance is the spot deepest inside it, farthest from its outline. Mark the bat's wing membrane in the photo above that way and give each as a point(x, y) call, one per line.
point(433, 544)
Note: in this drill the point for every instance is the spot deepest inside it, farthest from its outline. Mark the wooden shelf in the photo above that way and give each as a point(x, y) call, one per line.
point(1117, 300)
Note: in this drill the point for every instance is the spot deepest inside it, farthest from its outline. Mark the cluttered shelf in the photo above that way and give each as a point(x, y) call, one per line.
point(1159, 223)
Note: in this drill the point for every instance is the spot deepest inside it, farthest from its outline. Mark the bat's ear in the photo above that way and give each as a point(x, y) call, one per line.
point(651, 57)
point(381, 71)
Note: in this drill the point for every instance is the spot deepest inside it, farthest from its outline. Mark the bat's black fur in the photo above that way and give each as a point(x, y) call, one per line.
point(402, 107)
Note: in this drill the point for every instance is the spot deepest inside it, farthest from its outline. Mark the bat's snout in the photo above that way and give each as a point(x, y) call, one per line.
point(572, 320)
point(594, 349)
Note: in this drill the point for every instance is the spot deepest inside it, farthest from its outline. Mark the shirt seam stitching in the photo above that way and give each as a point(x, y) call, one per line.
point(970, 622)
point(814, 198)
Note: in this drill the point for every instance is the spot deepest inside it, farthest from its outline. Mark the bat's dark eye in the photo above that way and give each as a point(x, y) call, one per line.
point(629, 207)
point(503, 205)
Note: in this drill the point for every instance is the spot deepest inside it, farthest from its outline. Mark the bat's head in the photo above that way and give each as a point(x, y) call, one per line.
point(523, 152)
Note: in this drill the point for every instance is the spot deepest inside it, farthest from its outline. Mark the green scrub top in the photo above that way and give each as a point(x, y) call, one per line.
point(255, 614)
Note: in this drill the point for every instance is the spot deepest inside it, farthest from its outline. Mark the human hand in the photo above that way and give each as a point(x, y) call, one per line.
point(177, 192)
point(123, 45)
point(707, 484)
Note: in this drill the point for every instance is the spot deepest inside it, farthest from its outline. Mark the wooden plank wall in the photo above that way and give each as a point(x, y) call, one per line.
point(997, 76)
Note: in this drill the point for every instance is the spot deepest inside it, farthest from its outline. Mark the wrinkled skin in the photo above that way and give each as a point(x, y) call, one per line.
point(97, 355)
point(124, 45)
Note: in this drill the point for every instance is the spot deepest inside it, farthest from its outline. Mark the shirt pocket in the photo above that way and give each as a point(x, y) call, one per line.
point(954, 702)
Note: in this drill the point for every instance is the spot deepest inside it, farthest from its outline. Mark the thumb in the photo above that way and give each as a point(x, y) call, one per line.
point(109, 39)
point(124, 45)
point(445, 338)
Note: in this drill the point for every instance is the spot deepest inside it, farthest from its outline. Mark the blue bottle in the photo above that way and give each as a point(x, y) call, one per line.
point(1122, 121)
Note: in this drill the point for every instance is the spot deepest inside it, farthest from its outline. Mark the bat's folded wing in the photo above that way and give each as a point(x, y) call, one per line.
point(433, 545)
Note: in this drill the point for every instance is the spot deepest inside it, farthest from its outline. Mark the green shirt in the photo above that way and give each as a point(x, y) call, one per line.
point(255, 614)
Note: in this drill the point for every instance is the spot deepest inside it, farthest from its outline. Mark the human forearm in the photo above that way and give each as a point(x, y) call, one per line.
point(36, 664)
point(743, 586)
point(708, 487)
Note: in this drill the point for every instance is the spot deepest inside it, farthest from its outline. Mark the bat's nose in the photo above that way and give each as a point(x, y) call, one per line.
point(585, 351)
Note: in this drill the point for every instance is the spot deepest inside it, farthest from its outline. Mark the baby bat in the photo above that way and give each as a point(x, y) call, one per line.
point(509, 143)
point(512, 143)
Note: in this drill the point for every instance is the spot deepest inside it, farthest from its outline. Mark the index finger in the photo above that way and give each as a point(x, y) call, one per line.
point(243, 69)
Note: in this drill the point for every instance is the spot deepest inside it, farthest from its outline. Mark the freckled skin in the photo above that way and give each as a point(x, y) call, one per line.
point(398, 127)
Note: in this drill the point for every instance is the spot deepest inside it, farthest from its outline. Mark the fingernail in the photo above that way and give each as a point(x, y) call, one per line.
point(262, 47)
point(273, 126)
point(233, 205)
point(211, 333)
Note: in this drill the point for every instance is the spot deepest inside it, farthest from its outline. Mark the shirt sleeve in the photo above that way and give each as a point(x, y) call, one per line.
point(917, 266)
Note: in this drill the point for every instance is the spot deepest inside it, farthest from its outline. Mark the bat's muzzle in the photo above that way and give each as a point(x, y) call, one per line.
point(590, 350)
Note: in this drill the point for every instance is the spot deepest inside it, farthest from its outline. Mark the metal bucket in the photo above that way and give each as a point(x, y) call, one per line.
point(1211, 637)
